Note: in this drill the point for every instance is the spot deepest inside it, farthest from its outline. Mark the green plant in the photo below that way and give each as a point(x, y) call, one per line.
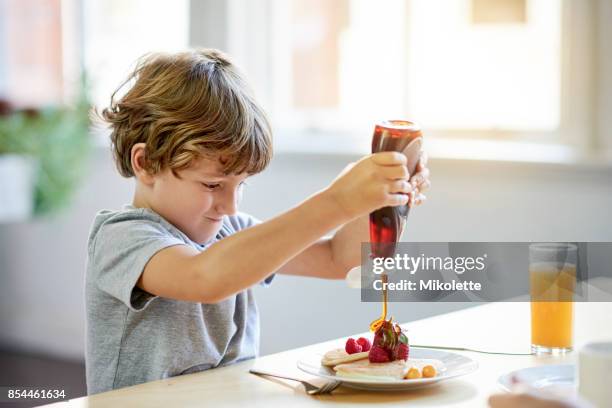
point(58, 138)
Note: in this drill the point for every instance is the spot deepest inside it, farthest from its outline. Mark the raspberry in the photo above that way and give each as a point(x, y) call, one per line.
point(352, 346)
point(364, 343)
point(378, 355)
point(402, 351)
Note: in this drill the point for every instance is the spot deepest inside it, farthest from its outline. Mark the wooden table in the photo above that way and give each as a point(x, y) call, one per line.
point(505, 325)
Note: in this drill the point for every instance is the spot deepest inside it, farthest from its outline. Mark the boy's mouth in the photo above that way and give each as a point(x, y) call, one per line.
point(215, 219)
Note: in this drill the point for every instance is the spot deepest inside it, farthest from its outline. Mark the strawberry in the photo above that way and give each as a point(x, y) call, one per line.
point(364, 343)
point(403, 351)
point(378, 355)
point(352, 346)
point(392, 340)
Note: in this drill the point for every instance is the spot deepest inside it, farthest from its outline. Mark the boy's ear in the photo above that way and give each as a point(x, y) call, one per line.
point(137, 157)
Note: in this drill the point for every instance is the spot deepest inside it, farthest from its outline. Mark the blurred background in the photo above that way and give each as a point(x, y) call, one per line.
point(514, 96)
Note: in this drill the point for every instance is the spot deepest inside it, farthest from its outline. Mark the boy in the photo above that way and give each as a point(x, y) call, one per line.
point(168, 277)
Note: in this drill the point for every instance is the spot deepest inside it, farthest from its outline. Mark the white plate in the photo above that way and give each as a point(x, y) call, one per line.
point(558, 380)
point(455, 365)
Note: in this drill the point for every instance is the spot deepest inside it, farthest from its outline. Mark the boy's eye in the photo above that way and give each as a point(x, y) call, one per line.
point(216, 186)
point(212, 186)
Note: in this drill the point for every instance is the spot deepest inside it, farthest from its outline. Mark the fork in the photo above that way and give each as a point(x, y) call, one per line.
point(311, 389)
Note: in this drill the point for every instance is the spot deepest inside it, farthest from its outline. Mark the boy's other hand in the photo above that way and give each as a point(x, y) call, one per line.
point(375, 181)
point(420, 181)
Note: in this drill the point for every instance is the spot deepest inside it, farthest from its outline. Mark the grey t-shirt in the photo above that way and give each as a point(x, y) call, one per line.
point(133, 336)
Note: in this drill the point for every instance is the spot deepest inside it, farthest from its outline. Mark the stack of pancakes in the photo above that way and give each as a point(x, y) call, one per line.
point(357, 365)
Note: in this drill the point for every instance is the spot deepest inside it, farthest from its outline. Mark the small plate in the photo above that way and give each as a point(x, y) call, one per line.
point(558, 379)
point(455, 365)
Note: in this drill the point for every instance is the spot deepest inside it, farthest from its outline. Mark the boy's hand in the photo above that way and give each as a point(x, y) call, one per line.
point(376, 181)
point(420, 182)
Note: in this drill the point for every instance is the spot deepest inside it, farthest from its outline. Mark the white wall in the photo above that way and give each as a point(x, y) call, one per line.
point(42, 262)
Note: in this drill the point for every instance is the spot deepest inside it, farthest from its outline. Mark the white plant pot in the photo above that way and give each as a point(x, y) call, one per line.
point(17, 183)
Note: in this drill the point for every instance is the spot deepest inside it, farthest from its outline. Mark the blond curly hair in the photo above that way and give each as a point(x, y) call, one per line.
point(184, 106)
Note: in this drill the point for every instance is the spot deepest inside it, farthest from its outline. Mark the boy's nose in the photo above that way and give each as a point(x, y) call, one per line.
point(227, 203)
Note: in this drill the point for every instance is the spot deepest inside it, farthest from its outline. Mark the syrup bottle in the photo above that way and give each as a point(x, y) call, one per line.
point(387, 224)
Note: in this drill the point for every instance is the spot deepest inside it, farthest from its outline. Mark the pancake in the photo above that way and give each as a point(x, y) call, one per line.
point(363, 369)
point(339, 356)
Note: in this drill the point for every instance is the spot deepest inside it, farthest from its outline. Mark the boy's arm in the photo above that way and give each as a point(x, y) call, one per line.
point(249, 256)
point(334, 258)
point(331, 258)
point(240, 260)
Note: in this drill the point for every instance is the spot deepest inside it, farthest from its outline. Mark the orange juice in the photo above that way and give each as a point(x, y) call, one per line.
point(552, 307)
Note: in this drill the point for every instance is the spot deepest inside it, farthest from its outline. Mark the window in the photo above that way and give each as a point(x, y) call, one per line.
point(43, 45)
point(512, 70)
point(466, 72)
point(31, 68)
point(515, 70)
point(118, 32)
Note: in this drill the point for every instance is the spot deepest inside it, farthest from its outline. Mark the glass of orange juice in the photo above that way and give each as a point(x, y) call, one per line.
point(552, 278)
